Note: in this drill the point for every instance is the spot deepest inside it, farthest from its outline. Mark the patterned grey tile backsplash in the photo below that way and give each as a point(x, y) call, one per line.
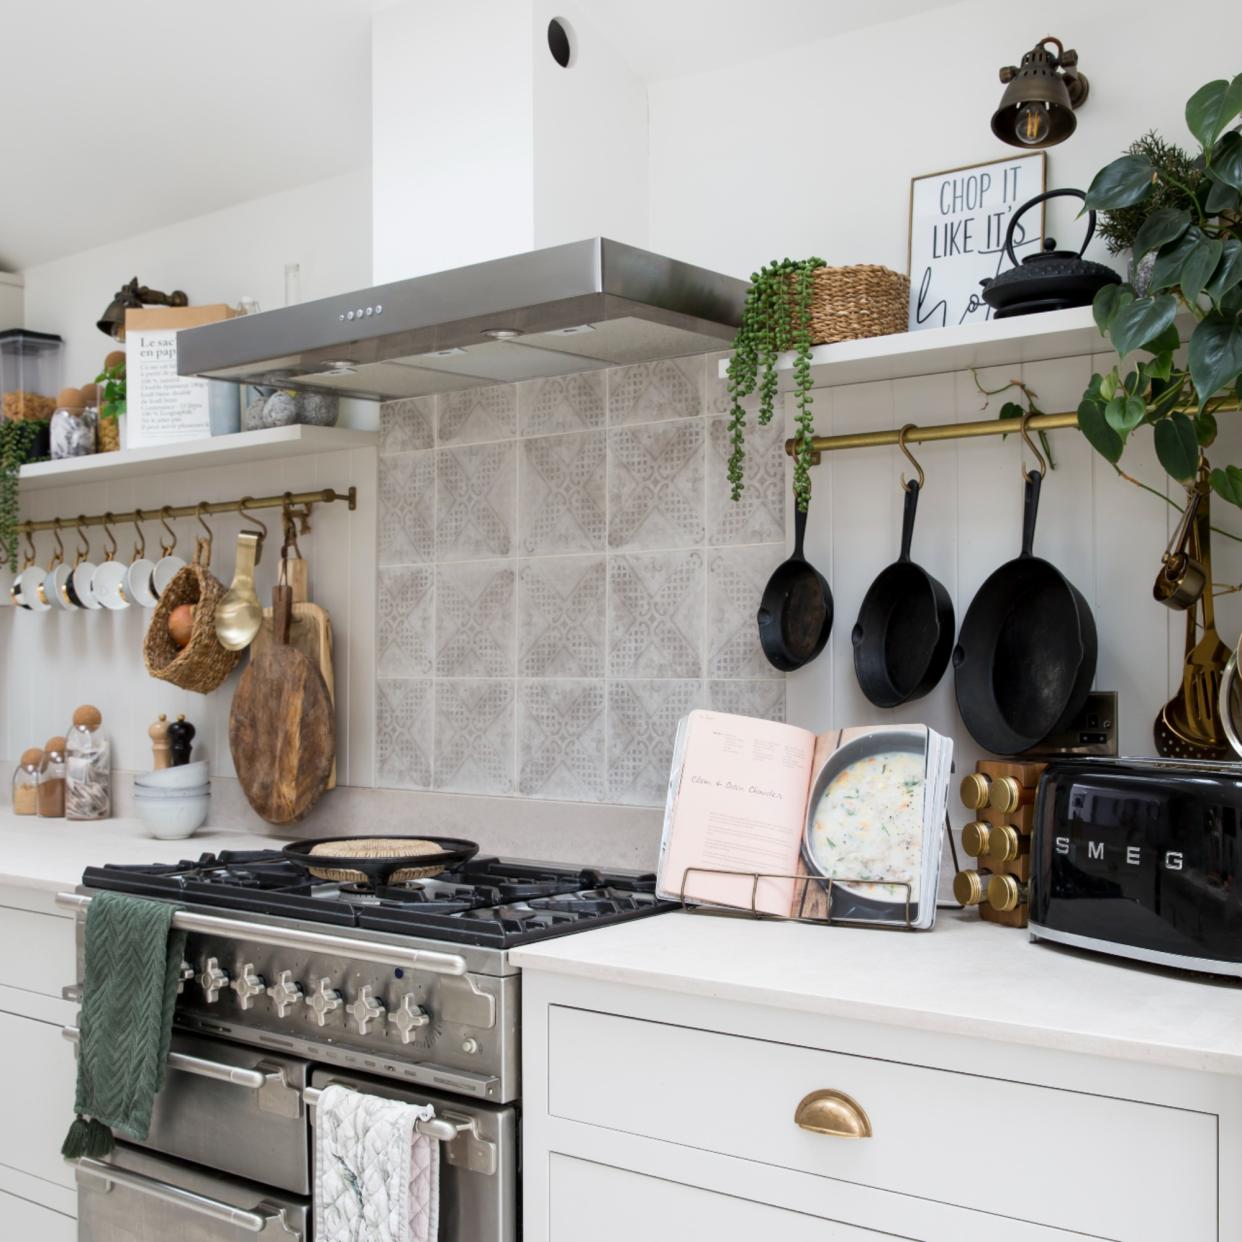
point(563, 577)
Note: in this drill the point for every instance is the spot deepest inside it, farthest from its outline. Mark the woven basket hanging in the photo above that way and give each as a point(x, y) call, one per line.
point(849, 303)
point(202, 664)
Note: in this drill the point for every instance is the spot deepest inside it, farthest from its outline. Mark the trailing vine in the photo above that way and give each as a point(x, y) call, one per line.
point(775, 318)
point(17, 441)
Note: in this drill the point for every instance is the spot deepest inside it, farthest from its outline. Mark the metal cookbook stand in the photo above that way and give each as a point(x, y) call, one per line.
point(822, 883)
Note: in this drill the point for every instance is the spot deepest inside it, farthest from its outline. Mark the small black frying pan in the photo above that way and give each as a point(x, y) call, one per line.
point(1026, 655)
point(904, 633)
point(795, 613)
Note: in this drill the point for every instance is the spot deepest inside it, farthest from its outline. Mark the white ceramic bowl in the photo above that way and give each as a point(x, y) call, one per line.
point(187, 776)
point(171, 819)
point(166, 795)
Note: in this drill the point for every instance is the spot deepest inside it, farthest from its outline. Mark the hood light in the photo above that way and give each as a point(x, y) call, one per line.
point(501, 334)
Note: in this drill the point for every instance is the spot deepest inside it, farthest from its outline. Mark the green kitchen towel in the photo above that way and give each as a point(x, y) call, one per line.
point(133, 958)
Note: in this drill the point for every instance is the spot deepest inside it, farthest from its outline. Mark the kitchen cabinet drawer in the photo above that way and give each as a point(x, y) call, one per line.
point(38, 1099)
point(655, 1210)
point(1058, 1158)
point(36, 951)
point(24, 1221)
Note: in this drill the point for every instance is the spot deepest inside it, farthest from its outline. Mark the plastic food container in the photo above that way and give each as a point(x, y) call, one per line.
point(30, 374)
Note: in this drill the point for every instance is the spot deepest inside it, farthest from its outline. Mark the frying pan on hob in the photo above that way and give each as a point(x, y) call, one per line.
point(904, 633)
point(1025, 657)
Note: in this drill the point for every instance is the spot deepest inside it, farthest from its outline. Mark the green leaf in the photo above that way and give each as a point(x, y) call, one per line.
point(1227, 484)
point(1205, 428)
point(1199, 266)
point(1160, 228)
point(1109, 384)
point(1122, 183)
point(1107, 302)
point(1220, 197)
point(1123, 414)
point(1168, 341)
point(1166, 272)
point(1215, 354)
point(1177, 446)
point(1159, 367)
point(1228, 273)
point(1100, 435)
point(1210, 109)
point(1227, 160)
point(1141, 321)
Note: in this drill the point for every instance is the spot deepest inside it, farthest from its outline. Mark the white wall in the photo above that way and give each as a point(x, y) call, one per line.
point(221, 257)
point(811, 151)
point(482, 146)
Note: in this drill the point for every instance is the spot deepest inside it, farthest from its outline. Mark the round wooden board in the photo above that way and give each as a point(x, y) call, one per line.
point(282, 734)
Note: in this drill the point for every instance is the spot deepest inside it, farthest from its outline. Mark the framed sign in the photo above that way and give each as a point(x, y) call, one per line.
point(958, 220)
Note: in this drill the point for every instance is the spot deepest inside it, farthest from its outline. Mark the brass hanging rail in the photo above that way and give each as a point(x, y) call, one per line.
point(325, 496)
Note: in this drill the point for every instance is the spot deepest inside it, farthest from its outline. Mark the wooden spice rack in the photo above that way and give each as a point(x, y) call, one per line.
point(1021, 820)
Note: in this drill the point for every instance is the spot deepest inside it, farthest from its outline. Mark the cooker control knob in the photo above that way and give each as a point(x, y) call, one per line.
point(212, 980)
point(248, 985)
point(365, 1010)
point(284, 993)
point(409, 1018)
point(184, 974)
point(323, 1001)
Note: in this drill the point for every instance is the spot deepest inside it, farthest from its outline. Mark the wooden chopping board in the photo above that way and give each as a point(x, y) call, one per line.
point(282, 727)
point(310, 632)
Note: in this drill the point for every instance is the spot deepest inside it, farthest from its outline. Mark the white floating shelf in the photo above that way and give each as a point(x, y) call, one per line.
point(272, 444)
point(932, 351)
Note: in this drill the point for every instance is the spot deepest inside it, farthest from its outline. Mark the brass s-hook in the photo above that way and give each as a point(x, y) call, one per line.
point(84, 545)
point(167, 548)
point(901, 444)
point(199, 510)
point(110, 553)
point(1039, 457)
point(140, 548)
point(59, 557)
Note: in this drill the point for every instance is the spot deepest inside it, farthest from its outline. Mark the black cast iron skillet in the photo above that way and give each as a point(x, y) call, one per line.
point(904, 633)
point(795, 613)
point(452, 852)
point(1026, 655)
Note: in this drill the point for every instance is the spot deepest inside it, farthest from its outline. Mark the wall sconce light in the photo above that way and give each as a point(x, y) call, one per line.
point(133, 296)
point(1037, 108)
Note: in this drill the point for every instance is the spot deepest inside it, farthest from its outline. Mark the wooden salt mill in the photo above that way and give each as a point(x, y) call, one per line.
point(161, 754)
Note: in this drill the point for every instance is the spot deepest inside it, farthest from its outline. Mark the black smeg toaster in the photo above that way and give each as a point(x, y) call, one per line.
point(1140, 858)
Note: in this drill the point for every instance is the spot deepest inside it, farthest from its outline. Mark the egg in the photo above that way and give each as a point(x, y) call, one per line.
point(181, 624)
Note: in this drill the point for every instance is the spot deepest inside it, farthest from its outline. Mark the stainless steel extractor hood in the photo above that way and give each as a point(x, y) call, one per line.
point(569, 308)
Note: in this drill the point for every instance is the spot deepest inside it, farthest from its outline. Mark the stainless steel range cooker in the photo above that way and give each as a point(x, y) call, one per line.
point(291, 983)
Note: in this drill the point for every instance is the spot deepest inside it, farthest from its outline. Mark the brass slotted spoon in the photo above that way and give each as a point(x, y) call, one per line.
point(1189, 725)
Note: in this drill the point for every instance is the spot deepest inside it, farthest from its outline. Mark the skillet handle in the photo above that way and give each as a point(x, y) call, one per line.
point(799, 532)
point(1030, 511)
point(907, 518)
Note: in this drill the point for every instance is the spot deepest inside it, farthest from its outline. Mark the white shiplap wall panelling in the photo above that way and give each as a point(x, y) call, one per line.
point(52, 662)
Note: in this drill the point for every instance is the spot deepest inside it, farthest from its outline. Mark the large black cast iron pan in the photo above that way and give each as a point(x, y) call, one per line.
point(795, 613)
point(904, 633)
point(1026, 654)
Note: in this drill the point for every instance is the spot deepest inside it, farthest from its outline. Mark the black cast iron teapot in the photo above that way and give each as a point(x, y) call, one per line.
point(1050, 280)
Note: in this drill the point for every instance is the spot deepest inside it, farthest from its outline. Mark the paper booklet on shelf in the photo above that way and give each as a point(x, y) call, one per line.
point(846, 825)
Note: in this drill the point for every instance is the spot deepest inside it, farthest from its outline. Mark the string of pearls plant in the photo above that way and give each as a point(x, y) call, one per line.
point(775, 318)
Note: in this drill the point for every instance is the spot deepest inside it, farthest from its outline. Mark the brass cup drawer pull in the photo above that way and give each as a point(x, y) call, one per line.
point(833, 1112)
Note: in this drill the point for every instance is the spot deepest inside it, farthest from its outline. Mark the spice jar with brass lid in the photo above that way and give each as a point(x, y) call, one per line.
point(52, 779)
point(1005, 893)
point(975, 838)
point(1005, 844)
point(1007, 795)
point(26, 782)
point(975, 790)
point(970, 887)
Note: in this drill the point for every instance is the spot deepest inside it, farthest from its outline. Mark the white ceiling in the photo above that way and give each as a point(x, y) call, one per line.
point(120, 118)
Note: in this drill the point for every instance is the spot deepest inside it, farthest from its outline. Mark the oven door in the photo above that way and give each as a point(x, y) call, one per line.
point(135, 1196)
point(478, 1168)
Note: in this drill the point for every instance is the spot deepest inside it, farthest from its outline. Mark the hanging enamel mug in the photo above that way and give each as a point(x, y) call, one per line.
point(168, 566)
point(139, 587)
point(78, 589)
point(28, 591)
point(109, 580)
point(57, 575)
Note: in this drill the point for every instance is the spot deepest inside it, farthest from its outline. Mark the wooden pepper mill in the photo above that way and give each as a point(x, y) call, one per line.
point(161, 753)
point(181, 741)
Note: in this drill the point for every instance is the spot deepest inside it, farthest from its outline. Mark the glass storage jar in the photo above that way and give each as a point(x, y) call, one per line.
point(30, 366)
point(26, 783)
point(52, 779)
point(73, 426)
point(88, 767)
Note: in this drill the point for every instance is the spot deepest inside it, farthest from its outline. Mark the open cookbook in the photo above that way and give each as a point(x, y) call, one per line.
point(848, 825)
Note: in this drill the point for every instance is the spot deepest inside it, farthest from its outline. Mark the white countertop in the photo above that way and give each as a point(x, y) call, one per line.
point(51, 854)
point(1059, 999)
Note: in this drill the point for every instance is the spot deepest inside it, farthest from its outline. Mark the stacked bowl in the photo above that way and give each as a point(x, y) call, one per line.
point(173, 802)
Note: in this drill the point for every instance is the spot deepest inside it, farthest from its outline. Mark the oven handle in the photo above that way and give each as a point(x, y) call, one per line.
point(255, 1079)
point(291, 938)
point(438, 1128)
point(252, 1222)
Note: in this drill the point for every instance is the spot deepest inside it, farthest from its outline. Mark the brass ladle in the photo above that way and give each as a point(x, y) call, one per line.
point(239, 615)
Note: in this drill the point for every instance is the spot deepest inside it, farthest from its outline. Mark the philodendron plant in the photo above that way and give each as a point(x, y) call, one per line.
point(1198, 269)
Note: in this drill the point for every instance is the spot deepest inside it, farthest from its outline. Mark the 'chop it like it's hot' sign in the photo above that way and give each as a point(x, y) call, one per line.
point(958, 221)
